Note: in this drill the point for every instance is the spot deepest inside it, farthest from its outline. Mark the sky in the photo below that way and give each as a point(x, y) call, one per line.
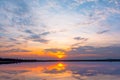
point(60, 29)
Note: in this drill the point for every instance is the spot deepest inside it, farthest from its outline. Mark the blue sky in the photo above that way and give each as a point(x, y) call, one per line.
point(72, 27)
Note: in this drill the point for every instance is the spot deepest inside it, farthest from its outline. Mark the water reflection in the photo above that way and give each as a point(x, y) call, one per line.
point(57, 67)
point(60, 71)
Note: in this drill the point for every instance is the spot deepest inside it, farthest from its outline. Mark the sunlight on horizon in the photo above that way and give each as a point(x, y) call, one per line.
point(60, 54)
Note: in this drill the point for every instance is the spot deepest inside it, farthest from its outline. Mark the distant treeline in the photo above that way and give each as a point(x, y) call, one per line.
point(9, 60)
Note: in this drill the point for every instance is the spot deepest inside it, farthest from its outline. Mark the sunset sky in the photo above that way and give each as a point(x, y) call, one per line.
point(60, 29)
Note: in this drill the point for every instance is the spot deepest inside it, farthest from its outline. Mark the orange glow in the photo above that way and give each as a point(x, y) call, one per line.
point(60, 54)
point(58, 67)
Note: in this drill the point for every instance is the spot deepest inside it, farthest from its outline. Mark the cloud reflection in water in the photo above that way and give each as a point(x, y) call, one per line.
point(60, 71)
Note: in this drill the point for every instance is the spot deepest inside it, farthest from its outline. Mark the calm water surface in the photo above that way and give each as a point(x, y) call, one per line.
point(61, 71)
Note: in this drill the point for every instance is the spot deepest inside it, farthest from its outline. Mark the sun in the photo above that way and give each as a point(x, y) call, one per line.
point(60, 54)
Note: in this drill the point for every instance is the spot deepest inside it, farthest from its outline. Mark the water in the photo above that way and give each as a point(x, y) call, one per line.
point(61, 71)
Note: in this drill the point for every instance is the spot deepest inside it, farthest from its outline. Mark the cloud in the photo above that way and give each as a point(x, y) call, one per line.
point(6, 46)
point(28, 31)
point(102, 32)
point(90, 52)
point(34, 33)
point(100, 50)
point(54, 50)
point(45, 33)
point(14, 11)
point(14, 50)
point(12, 39)
point(80, 38)
point(41, 40)
point(36, 37)
point(2, 28)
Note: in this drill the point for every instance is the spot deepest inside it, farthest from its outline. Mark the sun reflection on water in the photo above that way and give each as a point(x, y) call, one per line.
point(58, 67)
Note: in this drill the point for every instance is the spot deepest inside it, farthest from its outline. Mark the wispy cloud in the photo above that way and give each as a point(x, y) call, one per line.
point(36, 37)
point(80, 38)
point(14, 50)
point(104, 31)
point(54, 50)
point(6, 46)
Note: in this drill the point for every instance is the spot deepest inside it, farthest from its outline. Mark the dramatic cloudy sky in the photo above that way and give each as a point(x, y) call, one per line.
point(50, 29)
